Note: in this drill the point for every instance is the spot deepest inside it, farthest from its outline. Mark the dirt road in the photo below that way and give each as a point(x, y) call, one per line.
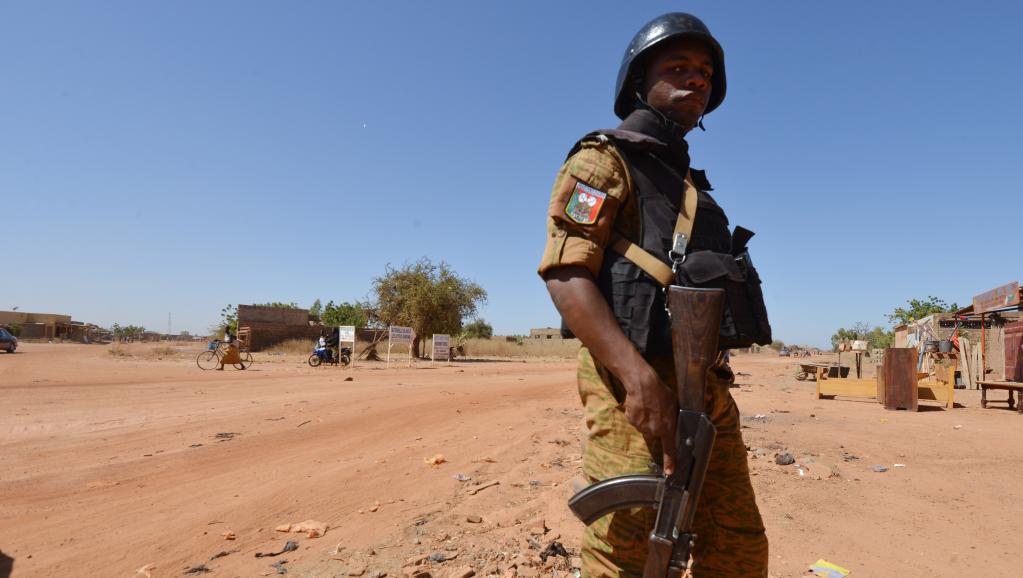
point(112, 463)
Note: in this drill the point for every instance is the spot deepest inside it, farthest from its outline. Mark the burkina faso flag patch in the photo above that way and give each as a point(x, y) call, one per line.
point(584, 204)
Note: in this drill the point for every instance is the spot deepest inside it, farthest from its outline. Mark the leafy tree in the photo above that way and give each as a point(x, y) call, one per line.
point(357, 314)
point(841, 335)
point(228, 320)
point(920, 308)
point(777, 344)
point(127, 332)
point(876, 337)
point(277, 305)
point(15, 330)
point(478, 329)
point(316, 309)
point(429, 298)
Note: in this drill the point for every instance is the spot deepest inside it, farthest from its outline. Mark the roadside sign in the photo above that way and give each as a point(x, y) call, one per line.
point(400, 335)
point(441, 347)
point(346, 334)
point(997, 298)
point(397, 335)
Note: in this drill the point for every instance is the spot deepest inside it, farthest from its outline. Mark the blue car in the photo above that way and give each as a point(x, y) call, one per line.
point(8, 342)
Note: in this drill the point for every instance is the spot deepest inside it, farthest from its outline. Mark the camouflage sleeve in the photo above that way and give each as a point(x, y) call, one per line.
point(590, 187)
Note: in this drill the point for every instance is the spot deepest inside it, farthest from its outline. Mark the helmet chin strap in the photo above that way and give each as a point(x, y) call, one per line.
point(673, 126)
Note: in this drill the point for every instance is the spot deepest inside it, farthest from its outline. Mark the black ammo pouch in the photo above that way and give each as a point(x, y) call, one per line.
point(744, 320)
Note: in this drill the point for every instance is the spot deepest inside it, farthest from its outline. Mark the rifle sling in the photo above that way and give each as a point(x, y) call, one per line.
point(651, 265)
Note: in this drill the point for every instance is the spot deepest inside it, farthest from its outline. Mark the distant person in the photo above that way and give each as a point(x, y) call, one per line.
point(231, 350)
point(611, 217)
point(335, 337)
point(333, 342)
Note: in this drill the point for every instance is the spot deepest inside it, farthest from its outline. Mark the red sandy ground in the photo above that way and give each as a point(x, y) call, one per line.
point(98, 476)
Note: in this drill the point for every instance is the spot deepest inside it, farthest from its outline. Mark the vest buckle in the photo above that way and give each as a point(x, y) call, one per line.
point(677, 254)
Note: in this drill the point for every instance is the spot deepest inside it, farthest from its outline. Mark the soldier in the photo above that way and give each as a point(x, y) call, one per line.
point(619, 193)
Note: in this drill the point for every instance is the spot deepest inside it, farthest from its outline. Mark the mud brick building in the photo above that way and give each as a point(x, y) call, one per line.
point(45, 325)
point(264, 327)
point(545, 333)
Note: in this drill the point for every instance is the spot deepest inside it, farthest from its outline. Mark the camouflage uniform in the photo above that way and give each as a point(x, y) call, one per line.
point(730, 534)
point(731, 540)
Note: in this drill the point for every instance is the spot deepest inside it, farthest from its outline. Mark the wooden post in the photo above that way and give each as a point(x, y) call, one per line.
point(966, 365)
point(983, 353)
point(900, 380)
point(880, 382)
point(950, 403)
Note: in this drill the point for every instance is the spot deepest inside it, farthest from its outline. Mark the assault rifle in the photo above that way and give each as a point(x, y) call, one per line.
point(695, 322)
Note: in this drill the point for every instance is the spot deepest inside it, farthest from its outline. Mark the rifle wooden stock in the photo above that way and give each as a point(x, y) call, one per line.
point(695, 323)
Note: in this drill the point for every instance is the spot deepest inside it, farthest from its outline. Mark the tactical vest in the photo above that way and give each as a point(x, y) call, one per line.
point(657, 189)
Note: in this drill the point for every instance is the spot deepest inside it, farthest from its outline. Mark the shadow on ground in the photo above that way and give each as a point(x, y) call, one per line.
point(6, 565)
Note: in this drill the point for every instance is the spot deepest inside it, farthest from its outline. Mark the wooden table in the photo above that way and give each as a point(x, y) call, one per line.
point(1009, 386)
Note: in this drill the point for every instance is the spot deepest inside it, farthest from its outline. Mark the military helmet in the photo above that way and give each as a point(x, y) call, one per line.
point(671, 25)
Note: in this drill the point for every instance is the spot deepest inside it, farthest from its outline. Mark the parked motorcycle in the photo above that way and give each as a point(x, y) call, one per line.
point(323, 354)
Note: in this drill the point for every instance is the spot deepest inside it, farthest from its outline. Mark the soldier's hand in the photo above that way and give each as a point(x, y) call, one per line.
point(652, 408)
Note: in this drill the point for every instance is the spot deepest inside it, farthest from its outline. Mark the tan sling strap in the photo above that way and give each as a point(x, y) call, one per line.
point(680, 239)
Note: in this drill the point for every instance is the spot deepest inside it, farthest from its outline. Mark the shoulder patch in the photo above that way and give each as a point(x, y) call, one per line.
point(599, 166)
point(584, 204)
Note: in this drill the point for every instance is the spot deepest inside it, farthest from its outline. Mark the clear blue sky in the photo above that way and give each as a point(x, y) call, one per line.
point(179, 156)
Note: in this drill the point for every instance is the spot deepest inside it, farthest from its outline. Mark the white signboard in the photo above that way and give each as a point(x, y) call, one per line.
point(346, 334)
point(400, 335)
point(441, 347)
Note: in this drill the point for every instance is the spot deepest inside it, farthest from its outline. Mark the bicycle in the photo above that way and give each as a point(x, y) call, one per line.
point(210, 359)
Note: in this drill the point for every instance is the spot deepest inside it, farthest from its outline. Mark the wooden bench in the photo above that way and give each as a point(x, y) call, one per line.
point(941, 388)
point(868, 388)
point(1009, 386)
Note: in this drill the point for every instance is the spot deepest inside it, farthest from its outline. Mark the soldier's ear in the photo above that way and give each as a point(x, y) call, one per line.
point(639, 83)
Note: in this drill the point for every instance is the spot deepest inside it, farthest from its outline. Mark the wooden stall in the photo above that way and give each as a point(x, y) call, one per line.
point(897, 385)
